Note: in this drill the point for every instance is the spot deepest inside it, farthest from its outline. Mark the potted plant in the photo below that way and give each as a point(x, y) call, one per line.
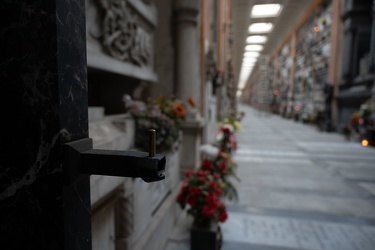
point(200, 194)
point(226, 138)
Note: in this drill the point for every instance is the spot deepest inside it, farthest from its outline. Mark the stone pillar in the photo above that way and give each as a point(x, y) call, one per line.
point(44, 105)
point(187, 76)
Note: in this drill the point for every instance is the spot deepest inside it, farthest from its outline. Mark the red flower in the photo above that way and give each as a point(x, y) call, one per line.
point(191, 200)
point(206, 164)
point(180, 197)
point(189, 173)
point(208, 211)
point(201, 173)
point(218, 191)
point(225, 130)
point(212, 184)
point(195, 190)
point(212, 200)
point(201, 179)
point(223, 166)
point(223, 216)
point(216, 176)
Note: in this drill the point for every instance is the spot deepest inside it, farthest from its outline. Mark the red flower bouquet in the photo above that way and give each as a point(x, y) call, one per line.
point(222, 167)
point(226, 139)
point(200, 193)
point(222, 164)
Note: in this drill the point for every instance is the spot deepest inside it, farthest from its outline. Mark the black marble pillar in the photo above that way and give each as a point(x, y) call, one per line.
point(43, 105)
point(372, 43)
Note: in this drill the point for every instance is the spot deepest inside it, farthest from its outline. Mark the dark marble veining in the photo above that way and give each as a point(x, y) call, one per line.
point(44, 103)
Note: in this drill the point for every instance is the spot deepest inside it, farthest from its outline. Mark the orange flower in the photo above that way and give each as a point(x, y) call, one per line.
point(191, 102)
point(179, 110)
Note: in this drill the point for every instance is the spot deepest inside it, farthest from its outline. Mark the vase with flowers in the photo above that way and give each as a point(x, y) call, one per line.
point(200, 195)
point(226, 138)
point(163, 115)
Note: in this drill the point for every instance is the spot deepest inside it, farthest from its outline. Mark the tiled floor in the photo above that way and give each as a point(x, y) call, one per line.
point(300, 189)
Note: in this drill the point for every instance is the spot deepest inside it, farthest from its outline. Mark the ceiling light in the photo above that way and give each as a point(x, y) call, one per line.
point(248, 65)
point(249, 59)
point(253, 47)
point(251, 54)
point(265, 10)
point(245, 73)
point(260, 27)
point(246, 69)
point(256, 39)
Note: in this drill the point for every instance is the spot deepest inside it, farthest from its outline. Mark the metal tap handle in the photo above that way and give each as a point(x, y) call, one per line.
point(152, 143)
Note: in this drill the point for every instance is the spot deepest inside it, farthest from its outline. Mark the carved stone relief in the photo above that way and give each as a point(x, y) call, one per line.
point(122, 37)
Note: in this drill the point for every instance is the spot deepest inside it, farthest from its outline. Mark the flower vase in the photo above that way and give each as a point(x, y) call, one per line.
point(205, 236)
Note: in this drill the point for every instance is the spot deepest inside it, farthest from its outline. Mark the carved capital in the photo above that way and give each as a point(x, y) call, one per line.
point(186, 10)
point(192, 5)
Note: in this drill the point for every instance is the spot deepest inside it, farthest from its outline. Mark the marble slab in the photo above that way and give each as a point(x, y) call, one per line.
point(296, 233)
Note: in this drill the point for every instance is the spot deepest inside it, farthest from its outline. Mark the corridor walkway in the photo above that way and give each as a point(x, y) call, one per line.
point(300, 189)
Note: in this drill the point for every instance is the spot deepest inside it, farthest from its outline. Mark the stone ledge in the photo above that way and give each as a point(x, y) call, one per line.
point(192, 124)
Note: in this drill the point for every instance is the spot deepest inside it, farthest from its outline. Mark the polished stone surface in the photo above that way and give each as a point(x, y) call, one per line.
point(300, 189)
point(44, 102)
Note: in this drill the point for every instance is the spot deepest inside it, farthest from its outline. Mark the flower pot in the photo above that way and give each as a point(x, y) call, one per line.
point(206, 237)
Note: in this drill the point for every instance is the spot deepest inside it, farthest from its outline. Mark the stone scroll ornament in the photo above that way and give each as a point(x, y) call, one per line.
point(121, 37)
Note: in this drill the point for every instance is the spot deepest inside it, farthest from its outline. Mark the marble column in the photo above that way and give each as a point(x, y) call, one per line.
point(43, 105)
point(187, 76)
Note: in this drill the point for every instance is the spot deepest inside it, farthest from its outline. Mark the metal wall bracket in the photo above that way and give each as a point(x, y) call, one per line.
point(81, 158)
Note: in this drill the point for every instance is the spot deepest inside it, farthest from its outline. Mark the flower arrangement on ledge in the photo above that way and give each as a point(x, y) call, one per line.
point(162, 114)
point(203, 189)
point(226, 138)
point(200, 192)
point(224, 167)
point(361, 125)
